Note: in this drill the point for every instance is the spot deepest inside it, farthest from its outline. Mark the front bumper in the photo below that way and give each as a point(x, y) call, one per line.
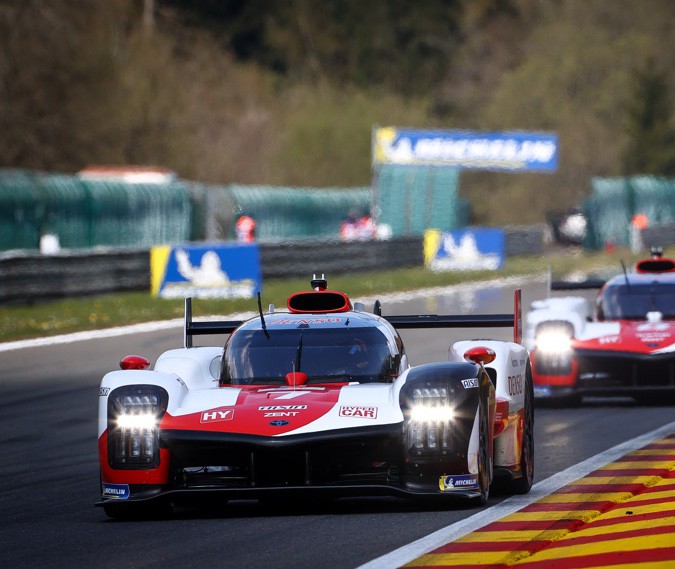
point(352, 462)
point(610, 373)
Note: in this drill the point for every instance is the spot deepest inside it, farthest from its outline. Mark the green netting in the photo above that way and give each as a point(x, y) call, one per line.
point(90, 213)
point(614, 201)
point(139, 214)
point(21, 210)
point(655, 197)
point(411, 199)
point(286, 213)
point(66, 210)
point(86, 213)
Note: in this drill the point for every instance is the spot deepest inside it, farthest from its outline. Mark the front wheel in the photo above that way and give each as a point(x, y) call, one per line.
point(483, 457)
point(523, 484)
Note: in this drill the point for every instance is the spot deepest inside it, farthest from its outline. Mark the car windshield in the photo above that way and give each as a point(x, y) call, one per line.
point(621, 302)
point(252, 357)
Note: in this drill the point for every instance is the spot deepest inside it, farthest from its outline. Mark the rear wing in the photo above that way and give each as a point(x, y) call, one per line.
point(204, 328)
point(581, 285)
point(514, 320)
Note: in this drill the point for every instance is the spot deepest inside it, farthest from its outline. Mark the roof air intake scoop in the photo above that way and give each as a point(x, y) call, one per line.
point(319, 300)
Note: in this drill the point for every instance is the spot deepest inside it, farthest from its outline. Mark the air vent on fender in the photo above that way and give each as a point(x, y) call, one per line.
point(318, 301)
point(656, 266)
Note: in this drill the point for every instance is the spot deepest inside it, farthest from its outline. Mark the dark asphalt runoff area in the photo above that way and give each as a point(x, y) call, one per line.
point(50, 481)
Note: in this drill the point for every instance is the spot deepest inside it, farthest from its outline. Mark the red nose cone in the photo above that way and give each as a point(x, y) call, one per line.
point(296, 378)
point(480, 355)
point(134, 362)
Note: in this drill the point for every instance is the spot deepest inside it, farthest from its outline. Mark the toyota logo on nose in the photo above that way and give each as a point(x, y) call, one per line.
point(278, 423)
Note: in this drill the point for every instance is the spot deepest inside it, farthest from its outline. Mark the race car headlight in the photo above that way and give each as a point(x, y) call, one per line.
point(134, 413)
point(430, 419)
point(554, 340)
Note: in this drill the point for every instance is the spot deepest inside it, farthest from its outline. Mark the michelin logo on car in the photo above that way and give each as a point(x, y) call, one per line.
point(450, 483)
point(118, 491)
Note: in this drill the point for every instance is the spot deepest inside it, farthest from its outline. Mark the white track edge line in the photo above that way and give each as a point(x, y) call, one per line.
point(413, 550)
point(176, 322)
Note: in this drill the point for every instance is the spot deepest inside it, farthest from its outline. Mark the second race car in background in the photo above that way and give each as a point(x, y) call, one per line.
point(623, 345)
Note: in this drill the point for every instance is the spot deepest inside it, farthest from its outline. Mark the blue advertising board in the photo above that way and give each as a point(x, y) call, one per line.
point(511, 151)
point(217, 270)
point(464, 249)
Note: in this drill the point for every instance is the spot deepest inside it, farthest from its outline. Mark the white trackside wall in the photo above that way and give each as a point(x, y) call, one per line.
point(510, 364)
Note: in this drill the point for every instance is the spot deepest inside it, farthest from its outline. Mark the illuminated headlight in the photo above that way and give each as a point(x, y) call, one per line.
point(423, 413)
point(554, 342)
point(430, 420)
point(144, 421)
point(134, 413)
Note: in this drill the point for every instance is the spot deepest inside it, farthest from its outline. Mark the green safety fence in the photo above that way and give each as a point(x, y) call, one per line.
point(411, 199)
point(286, 213)
point(90, 213)
point(87, 213)
point(21, 210)
point(613, 202)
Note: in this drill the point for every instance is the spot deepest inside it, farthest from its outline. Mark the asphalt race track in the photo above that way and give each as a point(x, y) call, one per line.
point(49, 470)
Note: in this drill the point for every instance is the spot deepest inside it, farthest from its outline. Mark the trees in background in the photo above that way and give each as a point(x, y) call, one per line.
point(251, 91)
point(649, 125)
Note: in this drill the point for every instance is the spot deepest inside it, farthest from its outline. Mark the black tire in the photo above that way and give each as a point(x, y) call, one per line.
point(483, 456)
point(523, 484)
point(119, 510)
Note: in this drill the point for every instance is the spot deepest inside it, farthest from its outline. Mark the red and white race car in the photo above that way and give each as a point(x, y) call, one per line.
point(318, 398)
point(624, 345)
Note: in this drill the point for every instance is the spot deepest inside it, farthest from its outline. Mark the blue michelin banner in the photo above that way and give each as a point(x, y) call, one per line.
point(464, 250)
point(511, 151)
point(218, 270)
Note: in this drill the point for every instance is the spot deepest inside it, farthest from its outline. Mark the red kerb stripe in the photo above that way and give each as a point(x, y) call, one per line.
point(610, 536)
point(631, 518)
point(600, 559)
point(646, 457)
point(600, 506)
point(483, 546)
point(663, 472)
point(601, 488)
point(537, 525)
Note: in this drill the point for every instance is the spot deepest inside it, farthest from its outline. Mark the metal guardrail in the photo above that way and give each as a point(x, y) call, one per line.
point(31, 277)
point(27, 277)
point(301, 258)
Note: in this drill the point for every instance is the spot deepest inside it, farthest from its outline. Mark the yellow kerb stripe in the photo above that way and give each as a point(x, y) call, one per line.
point(653, 565)
point(585, 515)
point(482, 558)
point(627, 526)
point(593, 497)
point(627, 507)
point(524, 535)
point(646, 480)
point(656, 451)
point(608, 546)
point(642, 464)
